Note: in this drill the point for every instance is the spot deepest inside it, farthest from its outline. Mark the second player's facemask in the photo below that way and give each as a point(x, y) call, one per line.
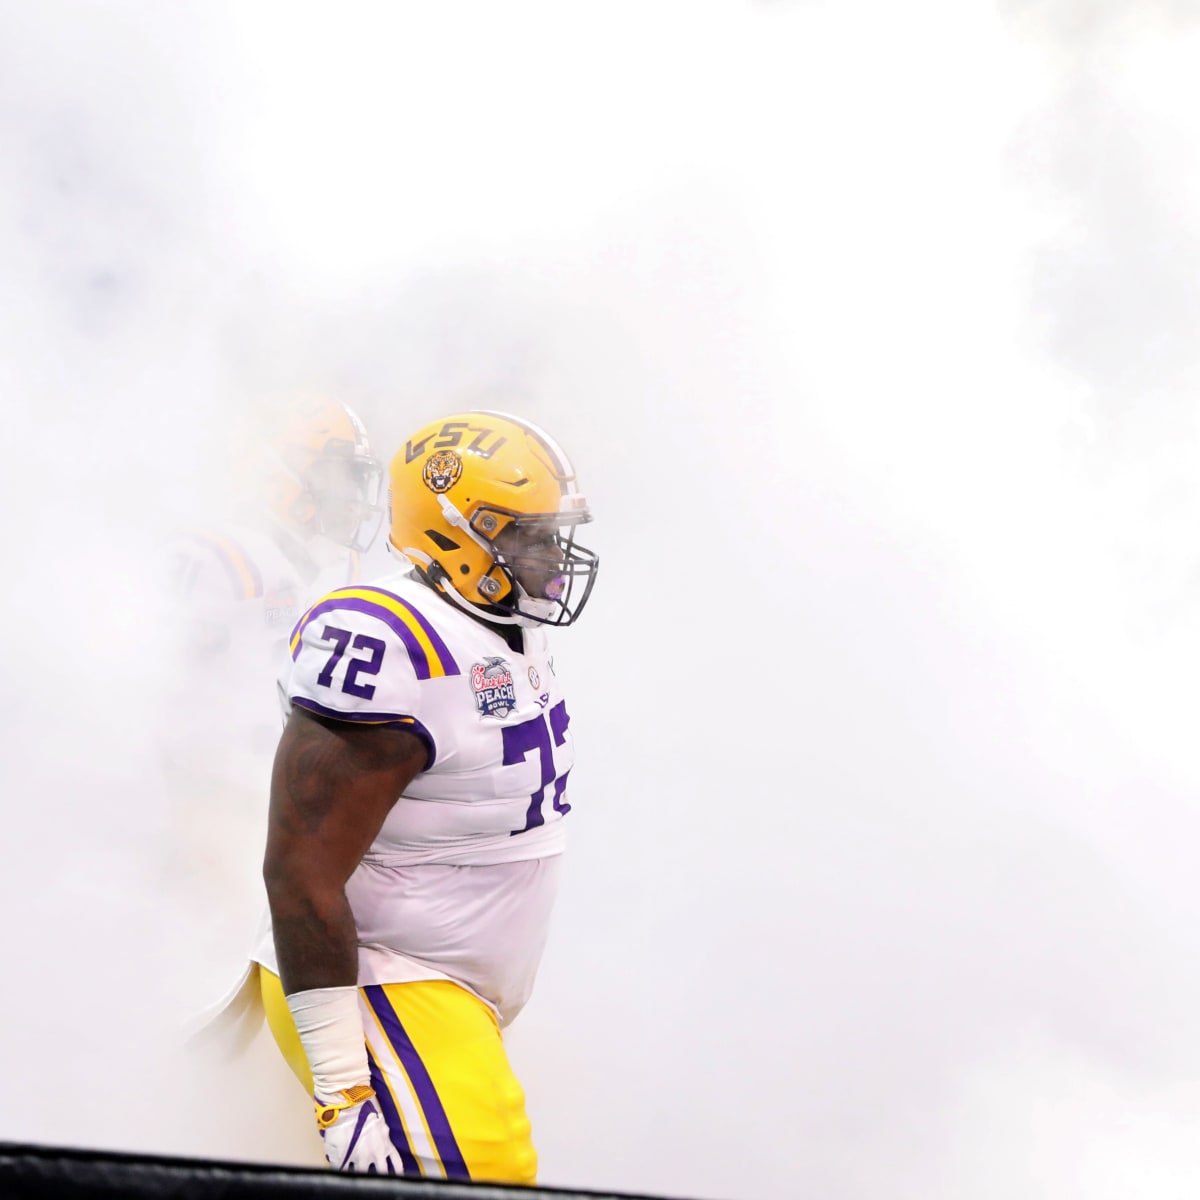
point(343, 488)
point(325, 479)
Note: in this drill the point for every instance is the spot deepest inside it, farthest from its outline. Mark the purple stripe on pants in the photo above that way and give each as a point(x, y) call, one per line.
point(392, 1117)
point(406, 1052)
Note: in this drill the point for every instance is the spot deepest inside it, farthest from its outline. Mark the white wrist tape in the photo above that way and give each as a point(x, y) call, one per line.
point(331, 1032)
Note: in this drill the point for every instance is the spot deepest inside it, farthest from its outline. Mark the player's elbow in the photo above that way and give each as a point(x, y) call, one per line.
point(295, 877)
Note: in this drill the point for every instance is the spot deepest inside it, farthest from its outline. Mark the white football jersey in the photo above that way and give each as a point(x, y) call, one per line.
point(460, 882)
point(240, 592)
point(237, 593)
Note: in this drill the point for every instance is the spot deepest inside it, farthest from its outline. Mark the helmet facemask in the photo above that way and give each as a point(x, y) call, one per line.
point(549, 576)
point(341, 488)
point(322, 478)
point(536, 573)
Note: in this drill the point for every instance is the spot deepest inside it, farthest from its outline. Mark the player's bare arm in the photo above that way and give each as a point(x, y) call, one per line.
point(332, 786)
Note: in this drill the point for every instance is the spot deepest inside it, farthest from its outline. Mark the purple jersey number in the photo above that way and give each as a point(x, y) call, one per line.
point(357, 666)
point(520, 740)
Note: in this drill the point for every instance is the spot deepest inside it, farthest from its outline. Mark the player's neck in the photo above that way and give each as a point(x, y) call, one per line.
point(294, 550)
point(513, 635)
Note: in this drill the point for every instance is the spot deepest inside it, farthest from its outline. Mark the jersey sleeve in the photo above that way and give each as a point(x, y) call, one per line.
point(210, 578)
point(364, 655)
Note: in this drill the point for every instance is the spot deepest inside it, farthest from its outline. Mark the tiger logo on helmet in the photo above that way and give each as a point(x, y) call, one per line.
point(442, 470)
point(504, 549)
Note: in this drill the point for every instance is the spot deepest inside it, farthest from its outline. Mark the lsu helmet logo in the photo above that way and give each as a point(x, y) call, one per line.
point(442, 470)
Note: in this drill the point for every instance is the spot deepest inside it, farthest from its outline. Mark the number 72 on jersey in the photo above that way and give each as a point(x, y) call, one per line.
point(537, 734)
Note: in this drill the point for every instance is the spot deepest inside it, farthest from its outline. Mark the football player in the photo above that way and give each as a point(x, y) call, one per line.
point(314, 508)
point(417, 808)
point(309, 507)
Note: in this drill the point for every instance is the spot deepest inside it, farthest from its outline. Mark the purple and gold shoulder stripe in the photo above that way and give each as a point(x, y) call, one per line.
point(240, 569)
point(428, 653)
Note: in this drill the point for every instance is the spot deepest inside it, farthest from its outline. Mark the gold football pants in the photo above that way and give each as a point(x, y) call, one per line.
point(453, 1106)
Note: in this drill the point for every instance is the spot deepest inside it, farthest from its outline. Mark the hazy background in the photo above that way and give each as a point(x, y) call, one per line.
point(872, 329)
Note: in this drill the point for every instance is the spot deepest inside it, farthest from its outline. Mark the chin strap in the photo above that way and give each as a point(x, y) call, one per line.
point(528, 612)
point(435, 577)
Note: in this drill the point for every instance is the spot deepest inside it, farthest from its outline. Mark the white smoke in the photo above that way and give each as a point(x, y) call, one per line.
point(869, 329)
point(1074, 29)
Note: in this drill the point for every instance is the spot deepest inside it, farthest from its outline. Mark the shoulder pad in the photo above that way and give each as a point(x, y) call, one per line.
point(428, 654)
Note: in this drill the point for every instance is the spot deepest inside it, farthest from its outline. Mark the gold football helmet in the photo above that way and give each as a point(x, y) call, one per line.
point(328, 480)
point(486, 506)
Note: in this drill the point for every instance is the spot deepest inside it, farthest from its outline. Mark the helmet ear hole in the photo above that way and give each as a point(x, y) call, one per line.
point(464, 569)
